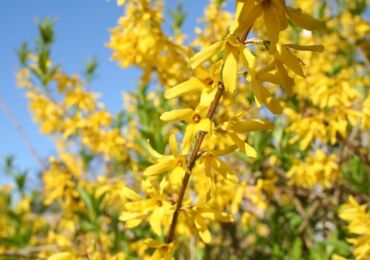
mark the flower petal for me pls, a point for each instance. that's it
(155, 220)
(243, 146)
(270, 77)
(303, 20)
(205, 54)
(216, 215)
(166, 164)
(291, 61)
(178, 114)
(173, 146)
(152, 151)
(205, 125)
(188, 139)
(271, 103)
(230, 70)
(249, 12)
(316, 47)
(252, 125)
(271, 22)
(202, 229)
(286, 81)
(186, 87)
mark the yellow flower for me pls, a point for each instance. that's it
(275, 13)
(213, 164)
(205, 81)
(315, 170)
(159, 209)
(359, 224)
(81, 99)
(235, 127)
(365, 122)
(163, 251)
(231, 48)
(197, 121)
(197, 217)
(260, 92)
(283, 55)
(173, 164)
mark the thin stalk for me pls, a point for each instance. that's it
(21, 132)
(191, 162)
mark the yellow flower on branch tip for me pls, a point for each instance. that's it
(157, 206)
(261, 94)
(206, 53)
(235, 127)
(163, 251)
(275, 13)
(231, 56)
(213, 164)
(187, 87)
(173, 164)
(231, 48)
(197, 121)
(205, 81)
(283, 55)
(196, 218)
(303, 20)
(247, 11)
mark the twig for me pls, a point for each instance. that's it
(21, 132)
(191, 162)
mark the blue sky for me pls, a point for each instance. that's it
(82, 29)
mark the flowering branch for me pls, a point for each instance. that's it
(192, 158)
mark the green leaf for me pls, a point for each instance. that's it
(88, 200)
(296, 250)
(23, 54)
(90, 68)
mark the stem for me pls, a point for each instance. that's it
(21, 132)
(192, 158)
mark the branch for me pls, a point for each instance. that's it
(191, 162)
(21, 132)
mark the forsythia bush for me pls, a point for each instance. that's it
(250, 141)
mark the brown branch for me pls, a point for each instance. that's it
(29, 252)
(191, 162)
(21, 132)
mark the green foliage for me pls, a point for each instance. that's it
(357, 174)
(90, 69)
(178, 17)
(151, 127)
(90, 219)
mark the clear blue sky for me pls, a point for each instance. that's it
(82, 29)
